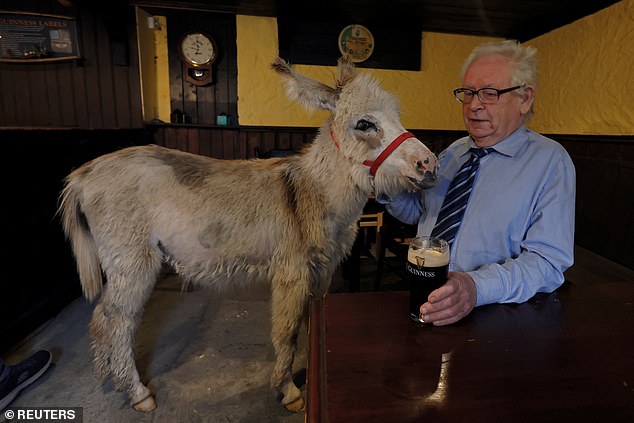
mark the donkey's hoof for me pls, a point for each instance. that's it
(295, 406)
(146, 405)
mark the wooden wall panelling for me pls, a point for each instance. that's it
(182, 139)
(225, 72)
(201, 105)
(77, 90)
(190, 101)
(193, 143)
(89, 46)
(101, 75)
(205, 143)
(92, 93)
(110, 85)
(217, 144)
(65, 83)
(252, 143)
(178, 23)
(228, 143)
(157, 137)
(266, 141)
(113, 24)
(283, 141)
(237, 152)
(620, 240)
(595, 185)
(297, 141)
(16, 80)
(129, 77)
(204, 102)
(605, 194)
(51, 102)
(8, 109)
(177, 81)
(170, 137)
(590, 218)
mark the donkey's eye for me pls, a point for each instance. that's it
(365, 125)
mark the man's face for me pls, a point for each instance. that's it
(488, 124)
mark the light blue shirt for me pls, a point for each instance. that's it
(517, 234)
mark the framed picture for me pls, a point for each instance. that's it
(32, 37)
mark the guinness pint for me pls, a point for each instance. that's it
(427, 266)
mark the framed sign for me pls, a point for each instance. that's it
(32, 37)
(308, 41)
(356, 42)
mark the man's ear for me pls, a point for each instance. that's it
(527, 96)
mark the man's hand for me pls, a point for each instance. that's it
(452, 301)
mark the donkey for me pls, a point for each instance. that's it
(286, 221)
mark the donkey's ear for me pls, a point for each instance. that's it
(310, 93)
(346, 71)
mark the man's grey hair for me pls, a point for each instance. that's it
(523, 60)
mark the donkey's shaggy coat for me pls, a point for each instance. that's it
(286, 221)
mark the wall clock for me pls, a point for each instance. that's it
(198, 51)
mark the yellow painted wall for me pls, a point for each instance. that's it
(425, 96)
(145, 37)
(154, 68)
(586, 77)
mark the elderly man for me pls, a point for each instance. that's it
(515, 235)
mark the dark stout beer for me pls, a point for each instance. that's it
(427, 267)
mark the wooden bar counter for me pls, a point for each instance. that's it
(565, 356)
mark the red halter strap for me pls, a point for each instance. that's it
(374, 164)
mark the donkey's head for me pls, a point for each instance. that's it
(366, 127)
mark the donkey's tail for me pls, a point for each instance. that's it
(82, 242)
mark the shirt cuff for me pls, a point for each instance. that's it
(487, 291)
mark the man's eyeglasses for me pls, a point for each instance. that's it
(485, 95)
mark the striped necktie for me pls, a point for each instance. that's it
(457, 196)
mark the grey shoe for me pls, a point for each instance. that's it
(22, 375)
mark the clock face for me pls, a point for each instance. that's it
(198, 49)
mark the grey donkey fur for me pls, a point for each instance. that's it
(288, 221)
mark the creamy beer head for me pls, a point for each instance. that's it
(428, 257)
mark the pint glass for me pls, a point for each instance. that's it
(427, 265)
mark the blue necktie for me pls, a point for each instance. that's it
(457, 196)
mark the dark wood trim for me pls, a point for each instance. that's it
(316, 394)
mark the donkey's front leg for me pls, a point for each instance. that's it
(288, 306)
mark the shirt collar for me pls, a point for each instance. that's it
(509, 146)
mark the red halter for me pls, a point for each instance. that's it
(374, 164)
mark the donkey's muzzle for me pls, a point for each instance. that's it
(429, 179)
(428, 170)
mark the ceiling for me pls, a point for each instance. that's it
(516, 19)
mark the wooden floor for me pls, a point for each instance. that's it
(206, 358)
